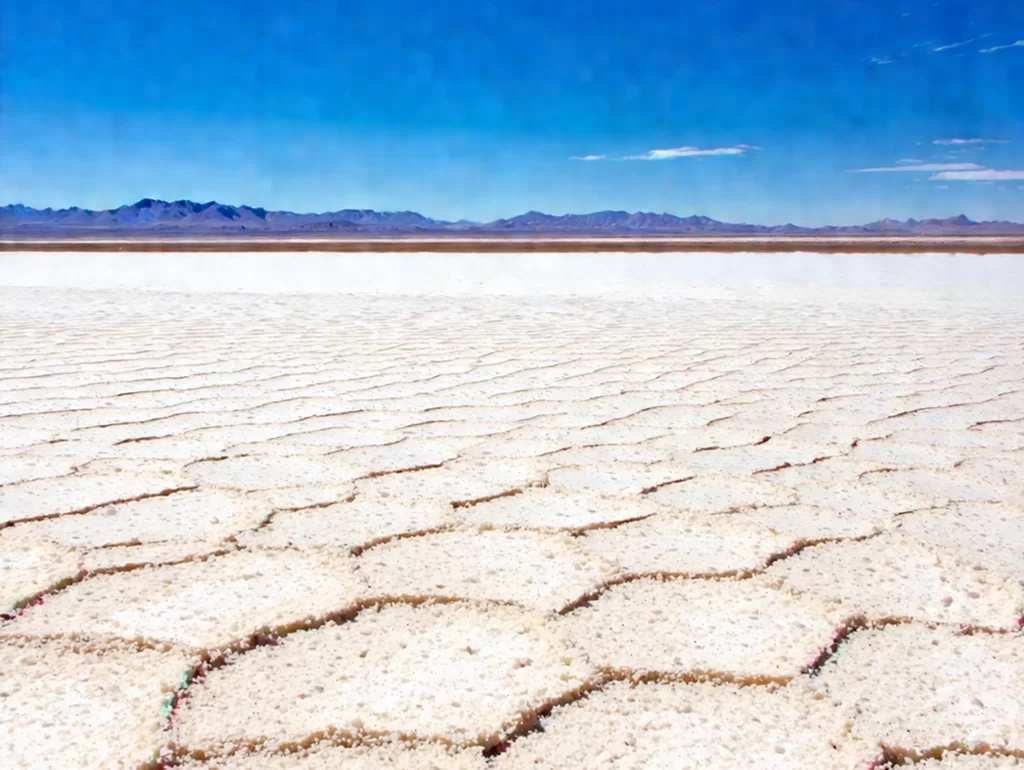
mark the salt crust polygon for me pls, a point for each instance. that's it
(956, 761)
(403, 455)
(459, 673)
(457, 482)
(862, 498)
(681, 544)
(811, 524)
(127, 556)
(286, 498)
(714, 493)
(958, 485)
(747, 630)
(14, 469)
(892, 576)
(204, 605)
(608, 453)
(205, 516)
(982, 534)
(617, 479)
(537, 570)
(391, 755)
(914, 688)
(99, 709)
(696, 726)
(66, 494)
(359, 523)
(273, 472)
(551, 509)
(28, 568)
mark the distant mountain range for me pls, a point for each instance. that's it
(187, 218)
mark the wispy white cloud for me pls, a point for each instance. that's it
(692, 152)
(954, 45)
(993, 49)
(969, 141)
(881, 60)
(910, 160)
(981, 175)
(588, 157)
(922, 167)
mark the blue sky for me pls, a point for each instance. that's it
(737, 109)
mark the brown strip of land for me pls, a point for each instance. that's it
(824, 245)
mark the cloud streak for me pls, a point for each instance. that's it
(588, 157)
(921, 167)
(692, 152)
(981, 175)
(948, 142)
(993, 49)
(954, 45)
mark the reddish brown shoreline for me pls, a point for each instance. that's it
(822, 245)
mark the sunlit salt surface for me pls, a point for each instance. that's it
(247, 480)
(662, 275)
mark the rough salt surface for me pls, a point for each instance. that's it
(691, 727)
(203, 605)
(743, 630)
(454, 672)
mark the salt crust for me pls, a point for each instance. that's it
(955, 761)
(403, 455)
(892, 576)
(541, 571)
(122, 556)
(28, 568)
(387, 756)
(65, 494)
(459, 673)
(356, 524)
(273, 472)
(866, 499)
(987, 535)
(714, 493)
(73, 708)
(741, 629)
(619, 479)
(550, 509)
(687, 544)
(914, 688)
(205, 605)
(14, 469)
(457, 482)
(811, 524)
(208, 516)
(697, 726)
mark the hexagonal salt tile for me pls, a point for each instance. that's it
(983, 534)
(460, 673)
(914, 688)
(273, 472)
(715, 493)
(549, 509)
(457, 482)
(352, 525)
(29, 568)
(744, 630)
(205, 605)
(617, 479)
(690, 545)
(697, 726)
(203, 516)
(391, 755)
(894, 577)
(98, 709)
(67, 494)
(542, 571)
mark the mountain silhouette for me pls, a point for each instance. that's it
(183, 217)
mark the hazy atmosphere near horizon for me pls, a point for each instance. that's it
(813, 113)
